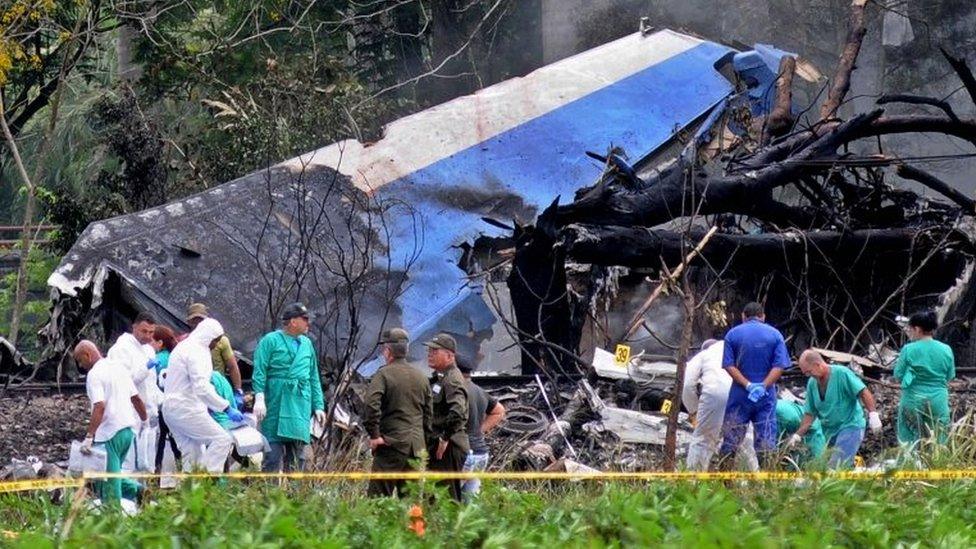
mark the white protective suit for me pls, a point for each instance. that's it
(705, 393)
(189, 395)
(135, 356)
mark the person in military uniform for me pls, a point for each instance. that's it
(287, 390)
(398, 413)
(448, 440)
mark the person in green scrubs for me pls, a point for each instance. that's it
(288, 391)
(222, 385)
(835, 396)
(924, 368)
(789, 415)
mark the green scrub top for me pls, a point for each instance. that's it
(925, 364)
(788, 417)
(286, 370)
(840, 407)
(226, 392)
(924, 368)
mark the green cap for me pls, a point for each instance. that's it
(442, 341)
(395, 335)
(197, 310)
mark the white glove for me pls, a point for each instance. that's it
(145, 425)
(794, 440)
(260, 410)
(874, 422)
(320, 416)
(86, 446)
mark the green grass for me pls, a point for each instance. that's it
(576, 514)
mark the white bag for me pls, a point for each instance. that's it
(145, 445)
(80, 463)
(249, 440)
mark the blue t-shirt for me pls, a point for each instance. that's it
(755, 348)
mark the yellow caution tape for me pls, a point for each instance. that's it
(649, 476)
(963, 474)
(45, 484)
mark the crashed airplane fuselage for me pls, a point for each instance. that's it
(370, 235)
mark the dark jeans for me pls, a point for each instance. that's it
(164, 435)
(452, 461)
(284, 456)
(387, 459)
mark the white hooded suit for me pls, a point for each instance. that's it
(188, 397)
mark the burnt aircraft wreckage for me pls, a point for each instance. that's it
(526, 219)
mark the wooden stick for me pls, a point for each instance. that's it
(638, 317)
(781, 118)
(842, 77)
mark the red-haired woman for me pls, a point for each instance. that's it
(164, 341)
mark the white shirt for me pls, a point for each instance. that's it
(104, 384)
(134, 356)
(705, 368)
(191, 366)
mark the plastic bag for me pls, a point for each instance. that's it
(249, 440)
(145, 448)
(81, 463)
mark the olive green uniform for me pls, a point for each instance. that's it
(450, 423)
(399, 409)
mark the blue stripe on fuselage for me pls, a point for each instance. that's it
(539, 160)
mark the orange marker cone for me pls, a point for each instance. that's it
(417, 523)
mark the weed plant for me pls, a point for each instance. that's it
(577, 514)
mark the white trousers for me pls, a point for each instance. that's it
(708, 433)
(203, 442)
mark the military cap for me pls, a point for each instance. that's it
(197, 310)
(464, 364)
(395, 335)
(442, 341)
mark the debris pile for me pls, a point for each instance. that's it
(42, 426)
(604, 423)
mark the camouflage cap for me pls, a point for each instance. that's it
(197, 310)
(395, 335)
(442, 341)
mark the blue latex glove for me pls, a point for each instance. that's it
(153, 364)
(234, 415)
(756, 391)
(239, 399)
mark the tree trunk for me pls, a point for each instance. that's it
(639, 247)
(128, 70)
(684, 349)
(538, 288)
(20, 289)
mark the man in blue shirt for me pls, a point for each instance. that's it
(755, 357)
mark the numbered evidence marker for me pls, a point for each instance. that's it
(622, 355)
(666, 406)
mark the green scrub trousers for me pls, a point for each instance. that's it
(116, 448)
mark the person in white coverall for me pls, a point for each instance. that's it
(190, 396)
(705, 393)
(134, 350)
